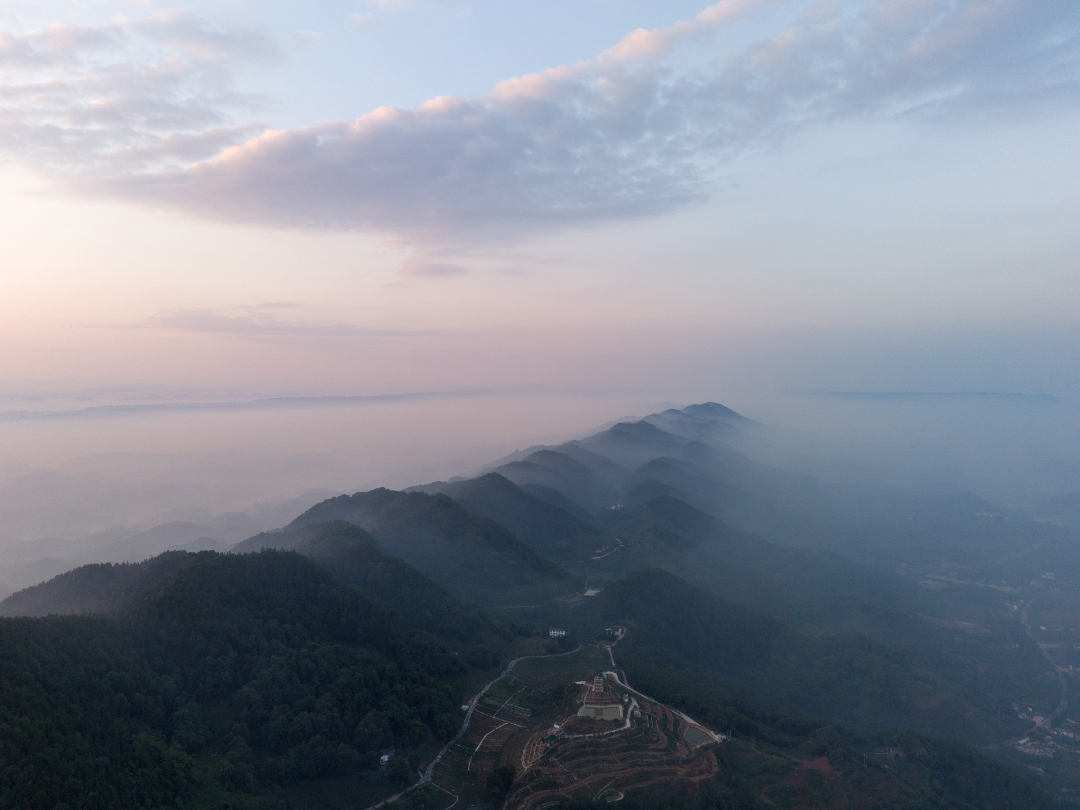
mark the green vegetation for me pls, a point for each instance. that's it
(816, 589)
(915, 772)
(98, 588)
(577, 476)
(252, 679)
(848, 677)
(350, 554)
(344, 549)
(248, 680)
(547, 528)
(470, 555)
(238, 674)
(578, 666)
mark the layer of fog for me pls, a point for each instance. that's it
(127, 485)
(124, 485)
(1013, 450)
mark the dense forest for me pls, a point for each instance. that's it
(548, 528)
(922, 772)
(238, 678)
(96, 588)
(851, 677)
(471, 555)
(285, 672)
(335, 654)
(353, 555)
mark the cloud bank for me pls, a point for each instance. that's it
(83, 101)
(259, 322)
(621, 136)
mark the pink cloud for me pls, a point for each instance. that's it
(618, 137)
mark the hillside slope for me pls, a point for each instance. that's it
(97, 588)
(292, 676)
(853, 678)
(470, 555)
(350, 554)
(251, 680)
(343, 549)
(549, 529)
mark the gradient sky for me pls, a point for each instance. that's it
(407, 195)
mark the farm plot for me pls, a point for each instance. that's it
(649, 753)
(513, 711)
(525, 724)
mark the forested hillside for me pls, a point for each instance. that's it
(471, 555)
(478, 634)
(245, 679)
(237, 674)
(868, 683)
(283, 674)
(549, 529)
(95, 588)
(896, 769)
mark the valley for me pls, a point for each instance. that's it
(648, 616)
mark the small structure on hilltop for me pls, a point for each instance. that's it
(556, 632)
(602, 701)
(602, 691)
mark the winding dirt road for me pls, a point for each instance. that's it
(426, 776)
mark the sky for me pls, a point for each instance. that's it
(668, 201)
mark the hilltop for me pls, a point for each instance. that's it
(469, 554)
(236, 671)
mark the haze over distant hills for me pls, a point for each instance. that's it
(739, 583)
(34, 561)
(468, 553)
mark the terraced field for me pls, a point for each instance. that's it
(651, 751)
(521, 724)
(526, 748)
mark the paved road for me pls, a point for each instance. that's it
(622, 681)
(426, 776)
(717, 737)
(1063, 703)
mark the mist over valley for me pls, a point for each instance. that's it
(759, 575)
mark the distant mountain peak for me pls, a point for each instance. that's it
(713, 409)
(641, 429)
